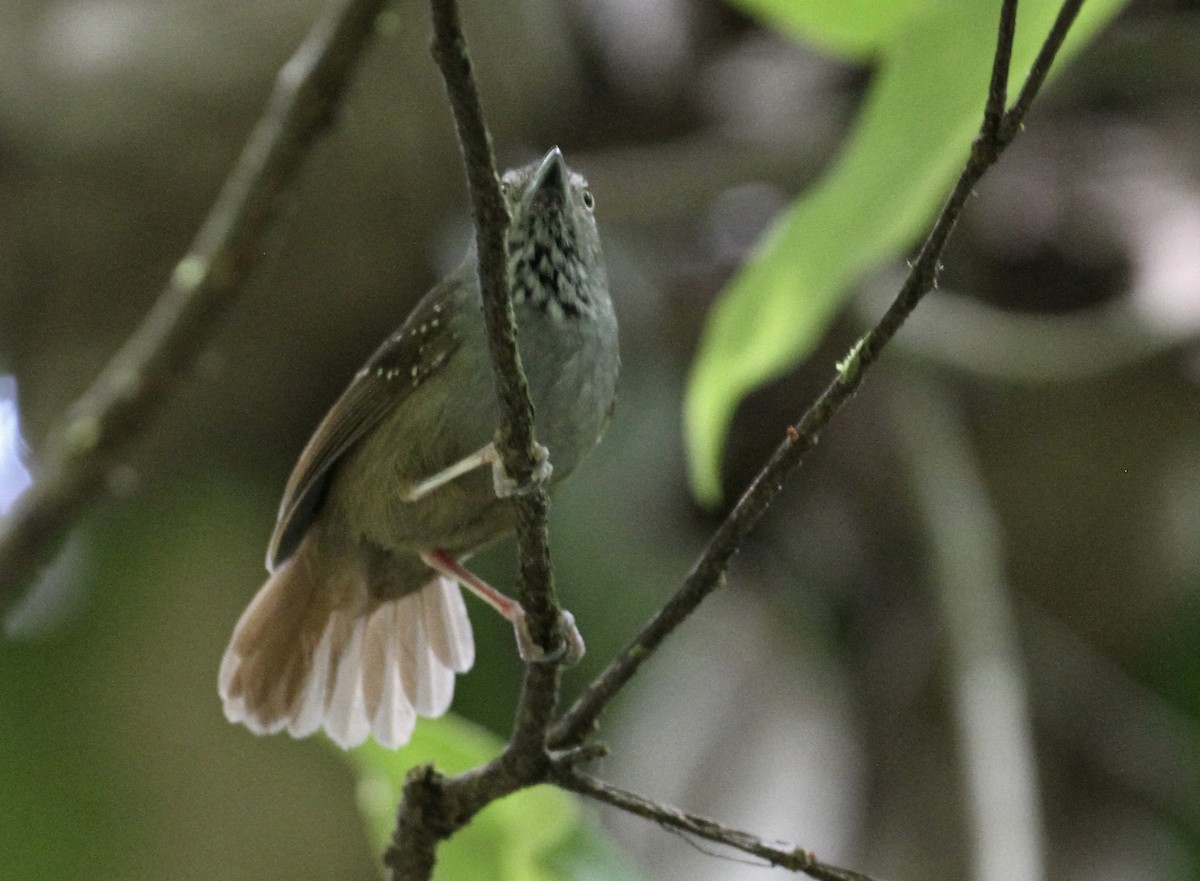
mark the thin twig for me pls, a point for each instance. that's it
(708, 573)
(515, 439)
(997, 99)
(433, 806)
(793, 859)
(128, 394)
(1014, 118)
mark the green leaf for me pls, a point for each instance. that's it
(911, 137)
(851, 28)
(514, 839)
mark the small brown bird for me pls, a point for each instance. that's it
(361, 626)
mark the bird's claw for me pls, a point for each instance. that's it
(507, 486)
(569, 651)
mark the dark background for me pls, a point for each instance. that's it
(814, 699)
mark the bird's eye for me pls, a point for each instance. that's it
(589, 201)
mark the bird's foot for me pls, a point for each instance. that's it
(507, 486)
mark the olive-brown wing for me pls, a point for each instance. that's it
(405, 360)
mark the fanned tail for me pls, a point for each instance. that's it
(313, 651)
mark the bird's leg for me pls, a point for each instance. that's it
(484, 456)
(571, 651)
(504, 485)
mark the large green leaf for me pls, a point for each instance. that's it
(911, 137)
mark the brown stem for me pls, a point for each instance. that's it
(128, 394)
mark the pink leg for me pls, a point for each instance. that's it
(445, 563)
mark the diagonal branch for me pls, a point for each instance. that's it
(793, 859)
(128, 394)
(708, 573)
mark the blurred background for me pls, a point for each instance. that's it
(961, 645)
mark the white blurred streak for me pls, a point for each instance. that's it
(82, 39)
(1169, 289)
(646, 45)
(986, 671)
(1164, 226)
(957, 331)
(777, 93)
(54, 598)
(14, 476)
(151, 48)
(1154, 199)
(739, 720)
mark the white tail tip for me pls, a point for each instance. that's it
(352, 673)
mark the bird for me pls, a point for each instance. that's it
(361, 625)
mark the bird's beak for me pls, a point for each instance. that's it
(551, 177)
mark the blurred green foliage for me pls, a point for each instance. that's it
(114, 753)
(115, 762)
(932, 64)
(537, 834)
(849, 28)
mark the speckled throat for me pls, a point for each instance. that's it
(545, 268)
(553, 251)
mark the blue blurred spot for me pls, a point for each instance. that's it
(14, 476)
(56, 592)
